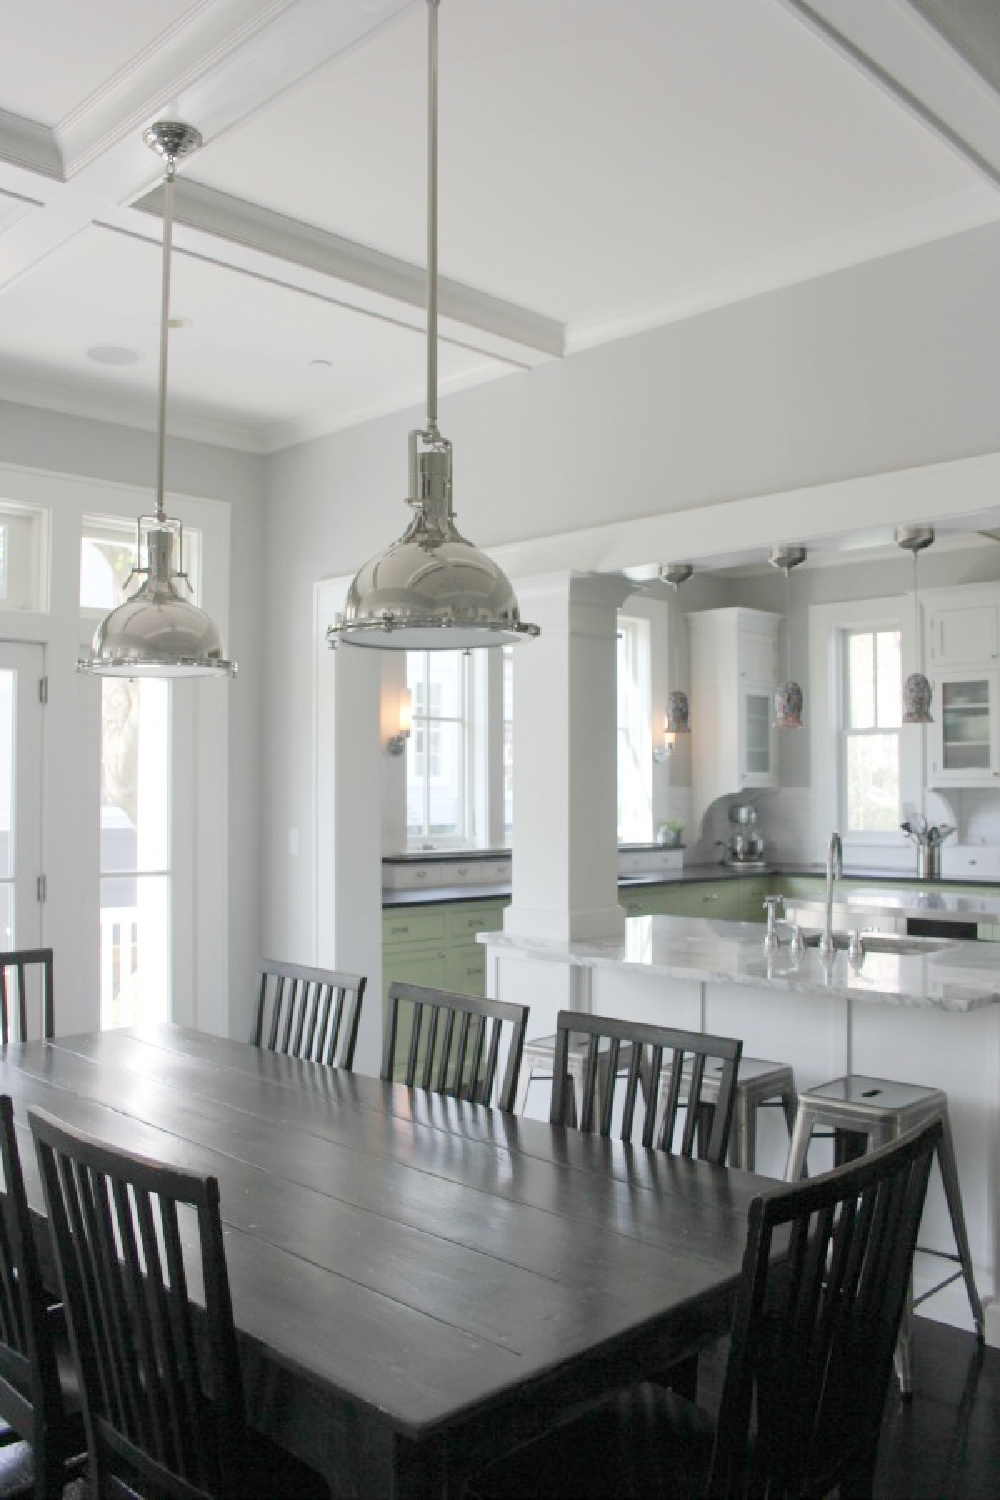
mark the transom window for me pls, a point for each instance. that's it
(872, 715)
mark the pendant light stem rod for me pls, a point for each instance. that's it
(168, 229)
(432, 211)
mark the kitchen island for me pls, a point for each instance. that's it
(925, 1013)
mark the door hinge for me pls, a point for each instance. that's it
(43, 888)
(43, 690)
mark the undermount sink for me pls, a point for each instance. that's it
(882, 942)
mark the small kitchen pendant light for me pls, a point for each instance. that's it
(157, 632)
(916, 688)
(677, 718)
(431, 589)
(788, 697)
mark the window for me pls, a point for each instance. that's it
(439, 802)
(872, 714)
(635, 746)
(135, 851)
(23, 557)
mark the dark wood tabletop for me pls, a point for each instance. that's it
(416, 1282)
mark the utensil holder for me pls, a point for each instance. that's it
(929, 861)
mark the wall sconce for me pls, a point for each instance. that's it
(396, 743)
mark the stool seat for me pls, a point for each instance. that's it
(882, 1109)
(758, 1082)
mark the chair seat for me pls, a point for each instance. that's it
(660, 1443)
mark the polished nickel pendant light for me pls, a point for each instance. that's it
(432, 589)
(157, 632)
(916, 688)
(788, 697)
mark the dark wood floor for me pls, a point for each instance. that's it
(945, 1443)
(942, 1445)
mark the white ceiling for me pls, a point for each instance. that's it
(606, 166)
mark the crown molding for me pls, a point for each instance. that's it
(25, 144)
(31, 389)
(891, 235)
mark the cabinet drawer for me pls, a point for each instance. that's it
(465, 921)
(465, 970)
(412, 927)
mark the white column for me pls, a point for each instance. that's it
(565, 855)
(349, 818)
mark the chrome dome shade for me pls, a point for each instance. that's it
(157, 633)
(431, 590)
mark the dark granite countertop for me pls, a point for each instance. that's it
(689, 874)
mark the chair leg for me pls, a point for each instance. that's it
(743, 1143)
(953, 1195)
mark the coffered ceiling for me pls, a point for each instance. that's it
(606, 166)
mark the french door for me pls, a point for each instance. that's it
(21, 668)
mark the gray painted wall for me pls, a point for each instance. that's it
(880, 367)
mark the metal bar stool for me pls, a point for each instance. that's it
(880, 1110)
(759, 1084)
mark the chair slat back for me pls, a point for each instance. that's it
(30, 1393)
(24, 971)
(815, 1329)
(451, 1044)
(668, 1103)
(309, 1013)
(128, 1233)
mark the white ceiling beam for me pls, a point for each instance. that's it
(904, 54)
(258, 241)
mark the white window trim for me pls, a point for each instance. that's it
(826, 624)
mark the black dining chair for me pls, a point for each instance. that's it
(159, 1366)
(309, 1013)
(822, 1291)
(26, 975)
(452, 1044)
(670, 1101)
(39, 1391)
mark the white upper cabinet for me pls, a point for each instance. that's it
(962, 634)
(962, 660)
(733, 678)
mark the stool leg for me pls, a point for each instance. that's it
(953, 1194)
(903, 1356)
(523, 1084)
(799, 1146)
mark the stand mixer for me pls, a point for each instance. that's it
(746, 846)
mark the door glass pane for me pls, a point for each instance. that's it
(8, 683)
(135, 851)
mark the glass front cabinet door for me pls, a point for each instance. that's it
(756, 742)
(964, 736)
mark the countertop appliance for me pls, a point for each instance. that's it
(746, 846)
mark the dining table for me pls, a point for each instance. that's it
(418, 1282)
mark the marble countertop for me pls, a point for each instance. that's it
(943, 974)
(905, 902)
